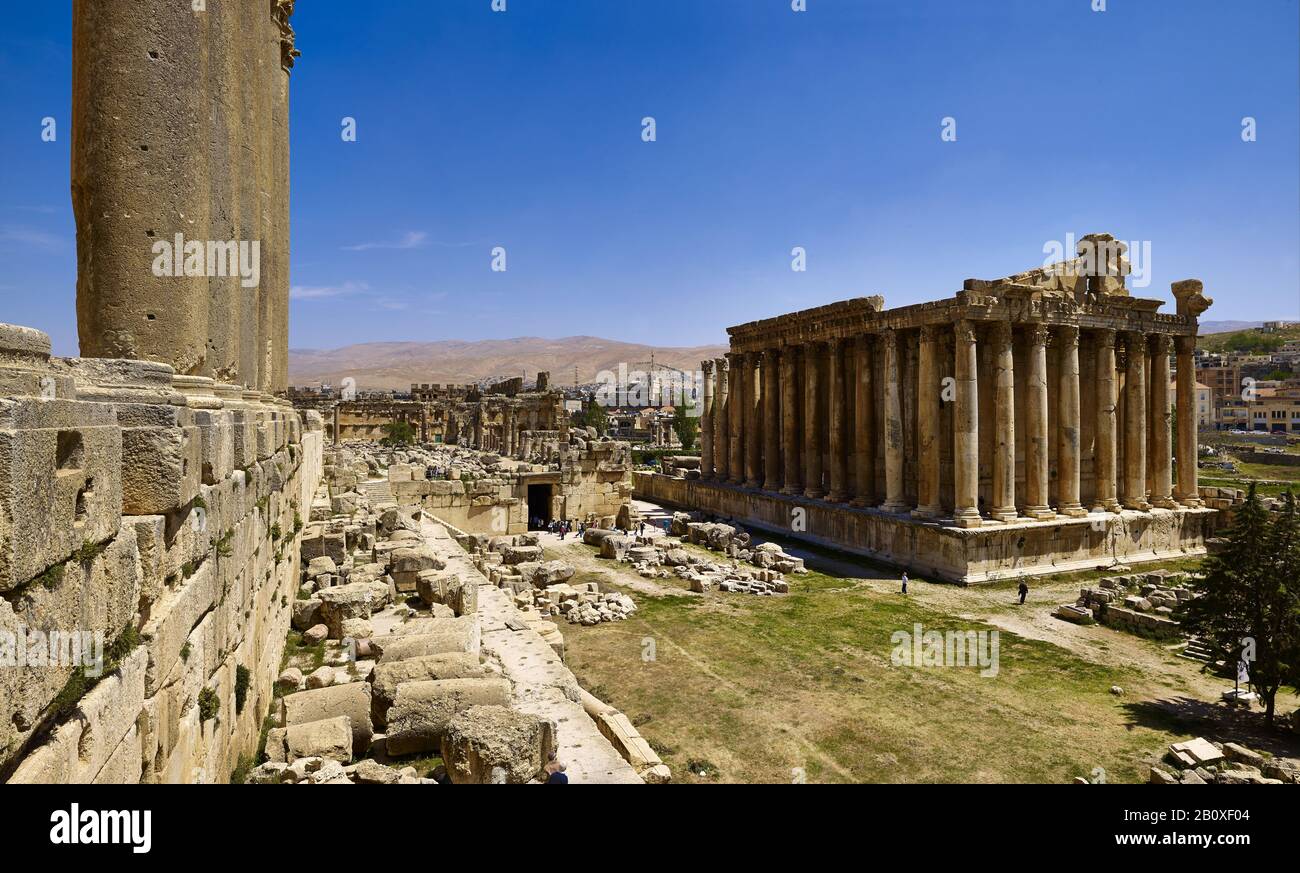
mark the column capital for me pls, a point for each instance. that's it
(1038, 334)
(707, 367)
(930, 333)
(1185, 345)
(1068, 334)
(724, 363)
(1105, 337)
(964, 330)
(1000, 333)
(1160, 343)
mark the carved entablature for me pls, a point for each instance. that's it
(1015, 299)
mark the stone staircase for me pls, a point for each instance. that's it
(1197, 650)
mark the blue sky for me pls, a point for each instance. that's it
(775, 129)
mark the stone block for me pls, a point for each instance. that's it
(60, 483)
(421, 710)
(487, 744)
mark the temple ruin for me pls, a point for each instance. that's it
(1020, 427)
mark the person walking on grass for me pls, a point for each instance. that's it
(1024, 590)
(904, 581)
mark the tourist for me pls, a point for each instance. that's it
(1024, 589)
(555, 772)
(904, 581)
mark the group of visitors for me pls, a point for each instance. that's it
(560, 527)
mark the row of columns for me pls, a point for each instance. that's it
(802, 420)
(180, 131)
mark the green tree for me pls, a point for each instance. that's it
(1250, 596)
(686, 423)
(594, 415)
(398, 433)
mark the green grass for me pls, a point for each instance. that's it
(773, 689)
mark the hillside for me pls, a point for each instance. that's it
(379, 366)
(1253, 341)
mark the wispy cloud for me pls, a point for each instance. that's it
(30, 236)
(319, 292)
(412, 239)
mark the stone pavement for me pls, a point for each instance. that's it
(543, 685)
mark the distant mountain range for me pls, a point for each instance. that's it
(388, 366)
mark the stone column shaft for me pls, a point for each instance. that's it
(1188, 492)
(753, 420)
(1161, 487)
(706, 422)
(736, 416)
(965, 423)
(141, 147)
(838, 474)
(814, 355)
(793, 481)
(722, 421)
(1036, 452)
(928, 412)
(1105, 456)
(1068, 418)
(1135, 425)
(864, 425)
(771, 420)
(1004, 434)
(893, 427)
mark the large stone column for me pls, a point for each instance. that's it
(1036, 451)
(1067, 454)
(1188, 493)
(813, 360)
(140, 163)
(337, 438)
(1004, 434)
(1162, 484)
(1135, 425)
(864, 425)
(838, 474)
(894, 499)
(706, 422)
(753, 420)
(965, 425)
(736, 416)
(771, 419)
(793, 481)
(928, 412)
(1105, 452)
(722, 421)
(279, 285)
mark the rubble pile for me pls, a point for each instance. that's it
(1201, 761)
(753, 568)
(1143, 603)
(404, 672)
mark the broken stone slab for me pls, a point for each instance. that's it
(487, 744)
(329, 738)
(351, 699)
(421, 710)
(455, 635)
(446, 665)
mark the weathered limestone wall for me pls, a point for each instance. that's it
(965, 556)
(180, 128)
(160, 512)
(592, 482)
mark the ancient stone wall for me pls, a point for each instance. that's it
(159, 515)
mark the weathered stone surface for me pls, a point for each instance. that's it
(448, 665)
(486, 744)
(456, 635)
(421, 710)
(351, 699)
